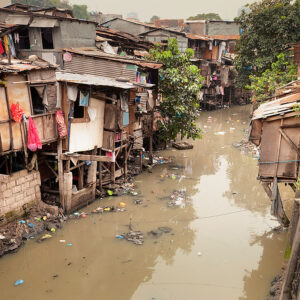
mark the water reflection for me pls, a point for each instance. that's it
(218, 247)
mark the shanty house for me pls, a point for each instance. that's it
(161, 36)
(275, 130)
(44, 33)
(27, 95)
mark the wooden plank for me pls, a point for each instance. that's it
(60, 174)
(80, 178)
(289, 141)
(86, 157)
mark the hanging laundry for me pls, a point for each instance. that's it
(72, 92)
(12, 46)
(222, 48)
(6, 44)
(61, 126)
(84, 98)
(17, 38)
(124, 102)
(33, 140)
(221, 89)
(16, 112)
(1, 48)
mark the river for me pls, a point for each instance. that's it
(221, 246)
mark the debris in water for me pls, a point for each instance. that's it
(69, 245)
(120, 236)
(220, 133)
(165, 229)
(178, 198)
(22, 222)
(122, 204)
(62, 241)
(138, 201)
(199, 254)
(19, 282)
(110, 193)
(136, 237)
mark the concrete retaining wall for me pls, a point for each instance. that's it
(16, 190)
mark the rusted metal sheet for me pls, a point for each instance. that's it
(94, 52)
(275, 149)
(297, 54)
(46, 126)
(3, 107)
(17, 92)
(5, 136)
(99, 67)
(256, 131)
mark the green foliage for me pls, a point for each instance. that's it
(80, 12)
(209, 16)
(297, 184)
(281, 72)
(154, 18)
(45, 3)
(179, 83)
(268, 27)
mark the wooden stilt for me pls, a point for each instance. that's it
(60, 174)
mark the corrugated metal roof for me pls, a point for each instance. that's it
(94, 52)
(225, 37)
(204, 37)
(198, 37)
(279, 106)
(18, 65)
(92, 80)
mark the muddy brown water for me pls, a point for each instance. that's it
(221, 245)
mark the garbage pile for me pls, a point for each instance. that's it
(135, 237)
(178, 198)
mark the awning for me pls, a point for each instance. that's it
(44, 22)
(17, 19)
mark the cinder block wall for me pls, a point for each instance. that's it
(19, 189)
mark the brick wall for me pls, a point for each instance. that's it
(19, 189)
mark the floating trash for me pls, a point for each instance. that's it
(120, 236)
(22, 222)
(30, 225)
(109, 193)
(136, 237)
(69, 245)
(19, 282)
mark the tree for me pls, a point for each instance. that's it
(209, 16)
(281, 72)
(268, 28)
(80, 12)
(45, 3)
(154, 18)
(179, 83)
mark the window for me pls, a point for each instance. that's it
(47, 38)
(80, 113)
(24, 42)
(37, 93)
(78, 110)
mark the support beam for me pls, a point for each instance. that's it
(60, 173)
(86, 157)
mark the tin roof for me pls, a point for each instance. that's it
(18, 65)
(204, 37)
(94, 52)
(279, 106)
(97, 81)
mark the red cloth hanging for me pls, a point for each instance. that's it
(33, 141)
(61, 126)
(1, 48)
(16, 112)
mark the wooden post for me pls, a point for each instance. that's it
(100, 173)
(125, 162)
(151, 139)
(80, 178)
(60, 174)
